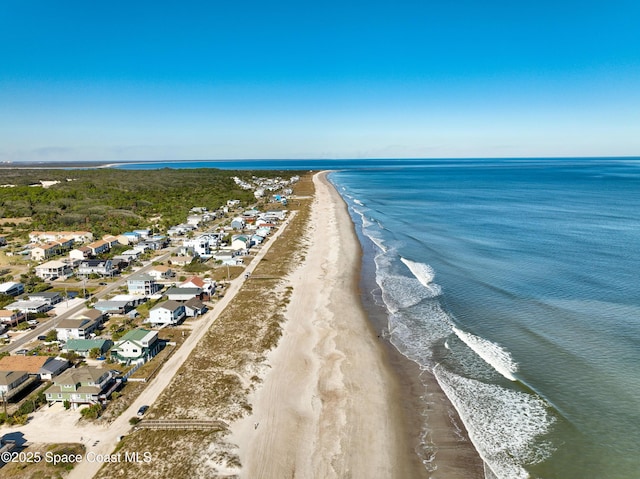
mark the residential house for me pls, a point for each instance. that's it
(207, 286)
(82, 386)
(11, 289)
(194, 307)
(203, 245)
(79, 254)
(49, 297)
(180, 260)
(195, 220)
(91, 315)
(275, 215)
(257, 239)
(48, 250)
(136, 345)
(54, 269)
(238, 223)
(111, 240)
(240, 242)
(29, 307)
(12, 382)
(263, 231)
(124, 240)
(41, 367)
(143, 233)
(83, 347)
(142, 284)
(167, 313)
(114, 307)
(132, 254)
(119, 263)
(80, 328)
(131, 236)
(263, 223)
(161, 272)
(228, 258)
(11, 318)
(46, 236)
(183, 294)
(96, 266)
(98, 247)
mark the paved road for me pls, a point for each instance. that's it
(101, 439)
(79, 305)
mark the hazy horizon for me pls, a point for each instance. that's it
(372, 80)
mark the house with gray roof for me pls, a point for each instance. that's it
(82, 386)
(114, 307)
(77, 328)
(167, 313)
(183, 294)
(11, 382)
(50, 297)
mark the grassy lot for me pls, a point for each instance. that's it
(44, 469)
(215, 381)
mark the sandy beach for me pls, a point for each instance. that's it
(329, 406)
(337, 401)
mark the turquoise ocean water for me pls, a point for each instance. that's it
(516, 283)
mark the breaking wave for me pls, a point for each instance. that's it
(493, 354)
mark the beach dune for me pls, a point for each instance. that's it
(329, 407)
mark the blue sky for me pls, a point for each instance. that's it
(225, 80)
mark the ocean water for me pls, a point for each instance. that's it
(516, 284)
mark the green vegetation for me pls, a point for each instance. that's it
(110, 201)
(92, 412)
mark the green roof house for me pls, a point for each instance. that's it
(84, 346)
(136, 345)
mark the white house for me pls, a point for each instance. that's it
(240, 242)
(76, 328)
(80, 254)
(96, 266)
(161, 272)
(53, 269)
(12, 318)
(142, 284)
(169, 312)
(12, 289)
(183, 294)
(29, 307)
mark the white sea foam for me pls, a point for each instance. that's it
(504, 425)
(401, 292)
(423, 273)
(494, 355)
(358, 202)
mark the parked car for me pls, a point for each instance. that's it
(142, 410)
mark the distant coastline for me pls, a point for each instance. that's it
(308, 164)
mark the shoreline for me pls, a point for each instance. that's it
(329, 407)
(450, 453)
